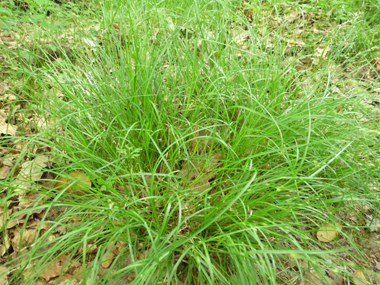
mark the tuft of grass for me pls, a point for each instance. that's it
(210, 163)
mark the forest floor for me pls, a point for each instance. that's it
(189, 142)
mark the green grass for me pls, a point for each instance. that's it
(282, 152)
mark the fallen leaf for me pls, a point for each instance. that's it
(81, 181)
(360, 278)
(373, 247)
(8, 162)
(108, 260)
(4, 217)
(266, 166)
(8, 97)
(241, 37)
(43, 123)
(89, 42)
(376, 63)
(67, 280)
(170, 24)
(6, 244)
(197, 174)
(76, 269)
(20, 186)
(335, 279)
(61, 230)
(4, 171)
(3, 278)
(3, 249)
(3, 116)
(7, 129)
(55, 268)
(144, 254)
(115, 25)
(32, 170)
(90, 248)
(292, 16)
(201, 140)
(328, 233)
(30, 199)
(197, 177)
(321, 52)
(22, 237)
(125, 278)
(48, 243)
(119, 248)
(313, 278)
(296, 42)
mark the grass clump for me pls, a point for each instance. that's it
(186, 144)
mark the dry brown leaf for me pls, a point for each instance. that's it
(197, 178)
(240, 36)
(48, 243)
(7, 129)
(20, 186)
(21, 219)
(296, 42)
(321, 52)
(79, 187)
(4, 217)
(27, 236)
(197, 175)
(6, 244)
(110, 255)
(3, 249)
(115, 25)
(76, 269)
(315, 279)
(27, 174)
(16, 221)
(61, 230)
(20, 145)
(292, 16)
(90, 248)
(3, 116)
(69, 282)
(328, 233)
(8, 98)
(27, 201)
(30, 199)
(32, 224)
(43, 123)
(200, 141)
(4, 171)
(108, 260)
(119, 248)
(3, 278)
(8, 162)
(144, 254)
(32, 170)
(376, 62)
(335, 279)
(55, 268)
(359, 275)
(125, 278)
(6, 167)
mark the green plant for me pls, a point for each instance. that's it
(209, 163)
